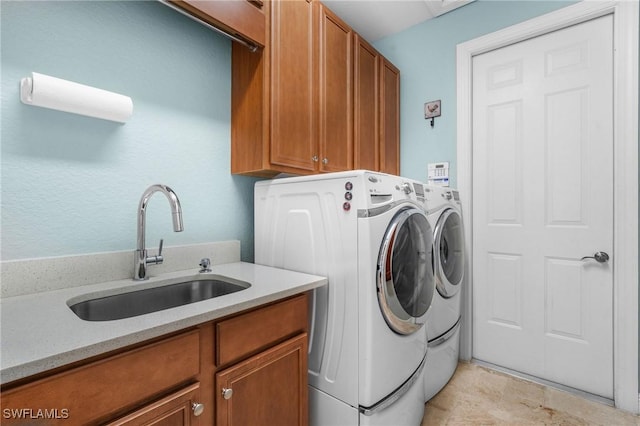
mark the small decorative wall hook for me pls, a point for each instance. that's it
(432, 110)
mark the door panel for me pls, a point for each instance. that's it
(336, 93)
(565, 184)
(504, 163)
(293, 99)
(389, 118)
(505, 278)
(366, 106)
(543, 199)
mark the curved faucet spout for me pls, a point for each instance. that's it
(140, 272)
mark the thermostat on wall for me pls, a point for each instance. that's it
(438, 174)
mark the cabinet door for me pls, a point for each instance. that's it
(389, 118)
(336, 93)
(366, 106)
(267, 389)
(178, 409)
(293, 99)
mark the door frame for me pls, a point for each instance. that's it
(625, 141)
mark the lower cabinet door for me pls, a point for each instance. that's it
(267, 389)
(177, 409)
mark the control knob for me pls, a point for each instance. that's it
(406, 188)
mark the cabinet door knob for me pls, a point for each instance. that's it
(325, 161)
(197, 408)
(314, 158)
(227, 393)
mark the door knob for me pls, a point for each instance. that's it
(600, 257)
(227, 393)
(197, 408)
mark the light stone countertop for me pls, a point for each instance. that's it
(40, 332)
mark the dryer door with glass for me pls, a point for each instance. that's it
(449, 251)
(405, 275)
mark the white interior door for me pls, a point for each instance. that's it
(543, 199)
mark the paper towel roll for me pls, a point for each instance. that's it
(51, 92)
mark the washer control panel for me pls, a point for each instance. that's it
(382, 189)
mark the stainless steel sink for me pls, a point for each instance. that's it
(131, 304)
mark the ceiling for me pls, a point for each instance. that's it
(379, 18)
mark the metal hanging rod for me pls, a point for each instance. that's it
(252, 47)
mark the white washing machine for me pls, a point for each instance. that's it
(369, 234)
(443, 323)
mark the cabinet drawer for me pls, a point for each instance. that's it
(249, 333)
(102, 389)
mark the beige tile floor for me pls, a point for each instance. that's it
(480, 396)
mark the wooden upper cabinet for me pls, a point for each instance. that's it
(336, 92)
(389, 118)
(317, 98)
(243, 18)
(366, 99)
(274, 96)
(293, 82)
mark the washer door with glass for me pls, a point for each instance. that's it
(449, 250)
(405, 276)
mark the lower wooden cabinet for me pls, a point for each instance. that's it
(267, 389)
(105, 389)
(260, 354)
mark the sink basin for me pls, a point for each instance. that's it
(139, 302)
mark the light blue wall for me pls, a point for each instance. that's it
(71, 184)
(426, 57)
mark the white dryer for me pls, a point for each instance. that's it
(369, 234)
(443, 326)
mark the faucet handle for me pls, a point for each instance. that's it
(204, 264)
(157, 259)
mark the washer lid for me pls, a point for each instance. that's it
(449, 253)
(405, 279)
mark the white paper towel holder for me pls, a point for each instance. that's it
(63, 95)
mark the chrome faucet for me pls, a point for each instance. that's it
(141, 259)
